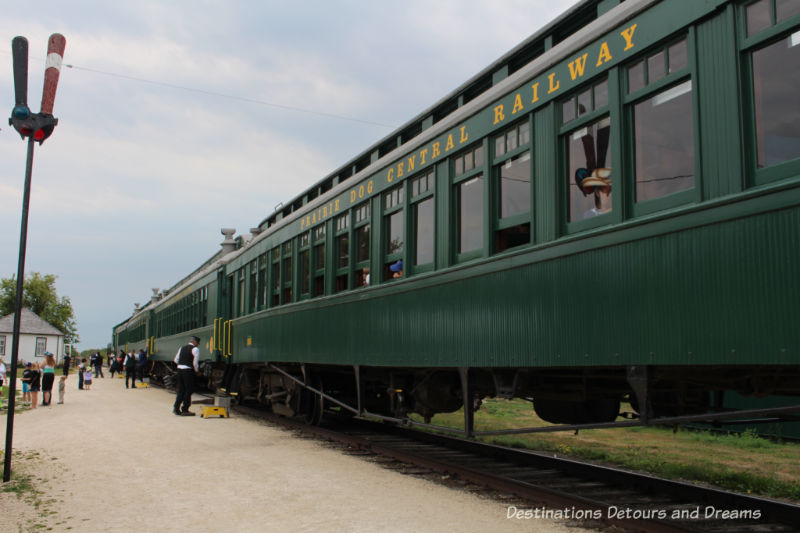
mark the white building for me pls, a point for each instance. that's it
(36, 337)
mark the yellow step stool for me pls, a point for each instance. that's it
(142, 386)
(212, 410)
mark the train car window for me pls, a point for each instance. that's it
(776, 76)
(304, 264)
(361, 237)
(286, 274)
(511, 177)
(469, 210)
(262, 281)
(241, 293)
(319, 260)
(342, 251)
(589, 170)
(253, 285)
(663, 137)
(423, 211)
(394, 233)
(770, 53)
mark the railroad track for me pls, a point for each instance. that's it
(561, 488)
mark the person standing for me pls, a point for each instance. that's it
(26, 383)
(81, 370)
(48, 377)
(67, 361)
(2, 379)
(36, 385)
(187, 359)
(62, 386)
(141, 364)
(130, 369)
(98, 365)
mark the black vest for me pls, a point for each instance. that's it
(186, 358)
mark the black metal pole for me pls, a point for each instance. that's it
(23, 242)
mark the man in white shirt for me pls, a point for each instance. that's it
(187, 359)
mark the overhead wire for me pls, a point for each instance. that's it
(225, 95)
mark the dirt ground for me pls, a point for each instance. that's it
(112, 459)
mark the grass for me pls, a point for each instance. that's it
(741, 462)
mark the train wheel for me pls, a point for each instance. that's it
(312, 406)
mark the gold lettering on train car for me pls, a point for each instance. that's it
(498, 114)
(389, 178)
(324, 211)
(464, 136)
(553, 87)
(535, 88)
(369, 187)
(314, 217)
(412, 160)
(435, 147)
(517, 104)
(361, 191)
(353, 195)
(400, 170)
(604, 55)
(627, 34)
(577, 66)
(336, 205)
(422, 154)
(449, 145)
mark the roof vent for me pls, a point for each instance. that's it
(156, 296)
(228, 245)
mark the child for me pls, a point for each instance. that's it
(81, 373)
(62, 386)
(87, 379)
(26, 384)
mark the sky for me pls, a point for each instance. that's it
(180, 118)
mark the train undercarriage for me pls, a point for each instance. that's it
(569, 396)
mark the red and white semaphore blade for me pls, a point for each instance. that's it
(55, 53)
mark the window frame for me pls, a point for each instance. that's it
(318, 238)
(343, 227)
(610, 111)
(388, 212)
(40, 352)
(498, 222)
(776, 32)
(355, 264)
(413, 202)
(649, 90)
(481, 171)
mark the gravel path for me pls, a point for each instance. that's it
(117, 460)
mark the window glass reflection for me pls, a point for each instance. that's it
(470, 215)
(785, 9)
(514, 183)
(776, 77)
(394, 233)
(424, 237)
(758, 17)
(362, 242)
(589, 170)
(664, 143)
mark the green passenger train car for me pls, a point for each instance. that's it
(609, 212)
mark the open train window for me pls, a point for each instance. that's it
(361, 238)
(586, 135)
(771, 69)
(394, 232)
(660, 104)
(511, 174)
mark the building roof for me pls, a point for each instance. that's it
(30, 323)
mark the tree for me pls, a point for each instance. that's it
(40, 296)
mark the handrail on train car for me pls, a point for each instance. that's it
(230, 323)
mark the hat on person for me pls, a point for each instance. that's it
(28, 363)
(397, 266)
(196, 339)
(49, 354)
